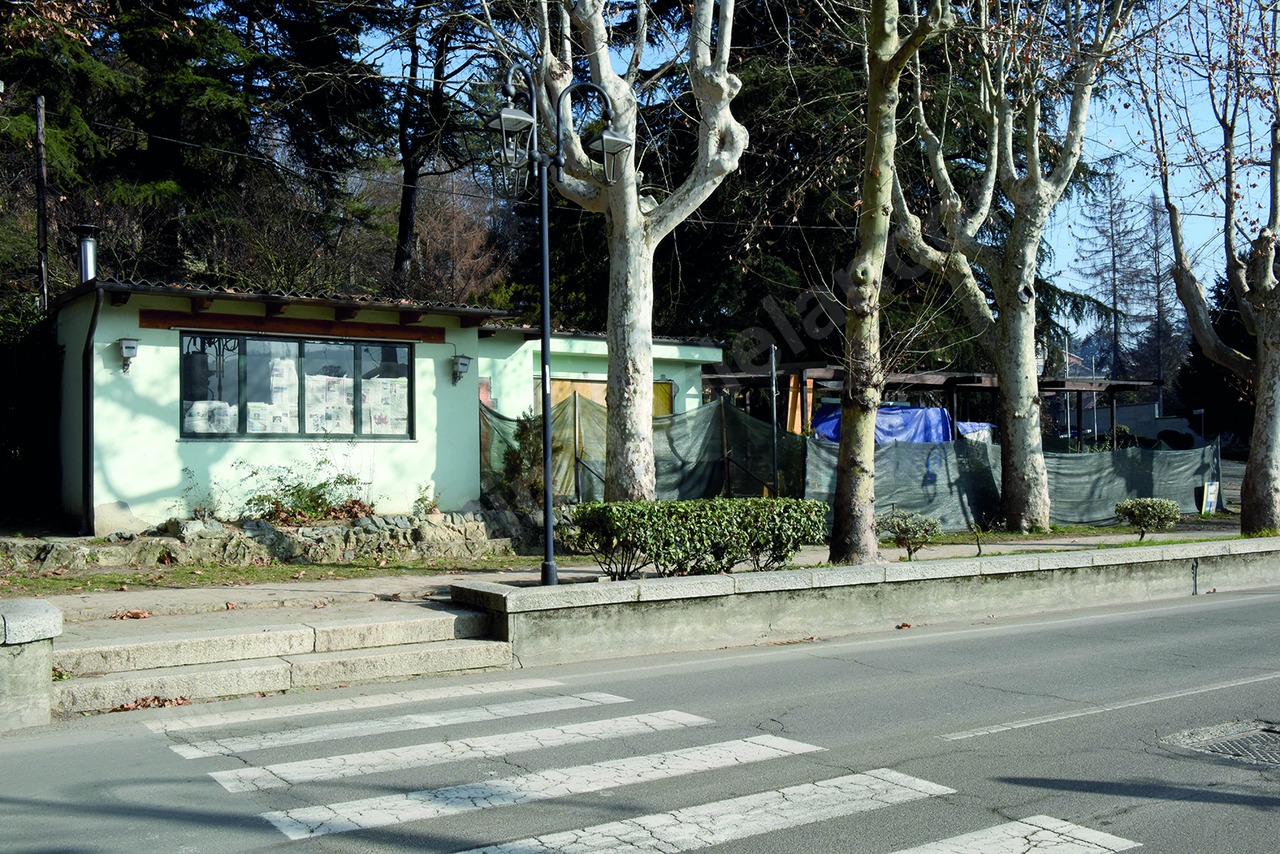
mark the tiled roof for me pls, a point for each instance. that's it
(279, 295)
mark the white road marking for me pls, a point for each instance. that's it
(1110, 707)
(558, 782)
(212, 719)
(738, 818)
(1039, 834)
(352, 729)
(420, 755)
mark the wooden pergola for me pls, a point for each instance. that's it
(802, 380)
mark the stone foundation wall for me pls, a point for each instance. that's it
(193, 541)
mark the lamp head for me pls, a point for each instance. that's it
(613, 147)
(516, 127)
(461, 364)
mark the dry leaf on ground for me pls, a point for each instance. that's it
(135, 614)
(153, 702)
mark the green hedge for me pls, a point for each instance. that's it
(697, 537)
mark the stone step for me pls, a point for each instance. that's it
(280, 673)
(117, 646)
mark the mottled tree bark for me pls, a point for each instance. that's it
(853, 533)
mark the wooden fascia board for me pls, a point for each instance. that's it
(156, 319)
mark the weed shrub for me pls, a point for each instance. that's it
(910, 531)
(282, 498)
(1148, 514)
(696, 537)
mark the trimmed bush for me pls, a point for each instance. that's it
(910, 531)
(699, 537)
(1148, 514)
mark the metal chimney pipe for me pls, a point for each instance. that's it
(88, 252)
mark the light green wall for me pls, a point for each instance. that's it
(514, 365)
(140, 458)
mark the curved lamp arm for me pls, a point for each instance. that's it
(611, 144)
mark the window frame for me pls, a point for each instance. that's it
(241, 432)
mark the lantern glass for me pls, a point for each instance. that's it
(613, 147)
(516, 127)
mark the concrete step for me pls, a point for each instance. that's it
(279, 673)
(117, 646)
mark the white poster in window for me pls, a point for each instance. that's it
(258, 416)
(284, 382)
(386, 406)
(196, 418)
(221, 417)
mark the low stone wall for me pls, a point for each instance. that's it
(193, 541)
(577, 622)
(27, 630)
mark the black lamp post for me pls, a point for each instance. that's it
(520, 151)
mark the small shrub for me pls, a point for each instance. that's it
(696, 537)
(777, 528)
(283, 497)
(1148, 514)
(910, 531)
(613, 535)
(427, 501)
(521, 483)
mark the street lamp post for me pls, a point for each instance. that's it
(520, 150)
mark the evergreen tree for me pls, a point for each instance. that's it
(1113, 238)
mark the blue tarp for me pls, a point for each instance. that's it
(898, 424)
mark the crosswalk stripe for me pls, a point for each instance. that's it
(415, 806)
(351, 729)
(212, 719)
(1040, 833)
(737, 818)
(420, 755)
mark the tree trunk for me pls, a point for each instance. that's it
(853, 532)
(406, 233)
(629, 463)
(1024, 481)
(1259, 497)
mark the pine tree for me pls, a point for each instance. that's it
(1112, 240)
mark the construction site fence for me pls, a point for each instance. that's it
(719, 450)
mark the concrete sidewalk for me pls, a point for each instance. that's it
(315, 594)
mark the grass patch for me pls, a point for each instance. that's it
(18, 582)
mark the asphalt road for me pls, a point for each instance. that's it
(1045, 734)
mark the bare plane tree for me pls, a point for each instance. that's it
(639, 215)
(1228, 58)
(853, 537)
(1036, 66)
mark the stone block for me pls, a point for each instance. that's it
(27, 620)
(773, 580)
(847, 576)
(930, 569)
(691, 587)
(585, 595)
(198, 681)
(25, 684)
(481, 594)
(399, 662)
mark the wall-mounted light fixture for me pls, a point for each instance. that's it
(461, 364)
(128, 351)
